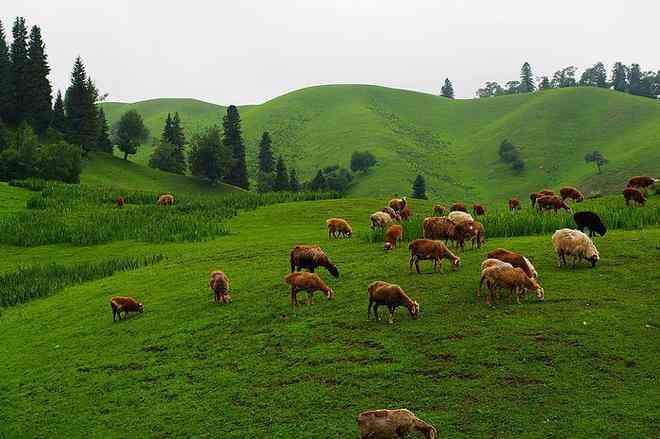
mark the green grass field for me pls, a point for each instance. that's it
(453, 144)
(583, 363)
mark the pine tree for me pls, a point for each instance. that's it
(294, 184)
(19, 64)
(81, 112)
(208, 156)
(281, 182)
(103, 143)
(178, 136)
(599, 75)
(447, 90)
(130, 133)
(59, 118)
(526, 79)
(619, 77)
(233, 140)
(318, 183)
(635, 80)
(419, 188)
(39, 92)
(266, 159)
(167, 130)
(6, 85)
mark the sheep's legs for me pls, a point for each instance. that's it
(369, 310)
(376, 312)
(417, 266)
(392, 309)
(412, 260)
(294, 296)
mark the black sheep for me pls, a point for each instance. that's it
(590, 221)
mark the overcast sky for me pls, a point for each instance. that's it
(248, 51)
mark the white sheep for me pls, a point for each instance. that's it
(380, 220)
(459, 217)
(574, 243)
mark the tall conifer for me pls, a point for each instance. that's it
(39, 92)
(19, 66)
(447, 90)
(526, 79)
(59, 117)
(6, 84)
(233, 140)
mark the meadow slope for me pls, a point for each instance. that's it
(452, 143)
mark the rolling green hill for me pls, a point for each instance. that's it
(452, 143)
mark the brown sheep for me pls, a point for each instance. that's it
(392, 236)
(436, 251)
(553, 202)
(477, 233)
(478, 209)
(397, 204)
(572, 193)
(486, 267)
(439, 210)
(119, 202)
(513, 279)
(380, 220)
(515, 259)
(438, 227)
(642, 182)
(309, 282)
(165, 200)
(631, 193)
(219, 283)
(392, 296)
(124, 304)
(392, 424)
(311, 257)
(547, 192)
(406, 213)
(338, 227)
(396, 216)
(458, 207)
(514, 204)
(534, 196)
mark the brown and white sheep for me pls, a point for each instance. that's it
(219, 283)
(338, 227)
(439, 210)
(392, 236)
(515, 259)
(513, 279)
(514, 204)
(458, 217)
(380, 220)
(311, 257)
(477, 233)
(487, 266)
(572, 193)
(392, 424)
(124, 304)
(428, 249)
(642, 182)
(547, 192)
(458, 207)
(309, 282)
(405, 213)
(569, 242)
(397, 203)
(634, 194)
(165, 200)
(547, 202)
(534, 196)
(479, 209)
(396, 216)
(392, 296)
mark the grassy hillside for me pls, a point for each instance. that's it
(452, 143)
(12, 198)
(261, 368)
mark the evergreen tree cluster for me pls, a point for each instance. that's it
(510, 153)
(362, 161)
(169, 154)
(331, 178)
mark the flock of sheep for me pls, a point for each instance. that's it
(502, 270)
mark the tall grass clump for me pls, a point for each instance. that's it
(29, 283)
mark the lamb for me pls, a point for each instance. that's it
(460, 217)
(439, 210)
(392, 213)
(591, 221)
(309, 282)
(310, 257)
(392, 424)
(548, 202)
(397, 204)
(380, 220)
(392, 296)
(515, 259)
(574, 243)
(338, 227)
(219, 283)
(514, 204)
(458, 207)
(641, 182)
(631, 193)
(406, 213)
(513, 279)
(479, 209)
(572, 193)
(534, 196)
(392, 236)
(427, 249)
(165, 200)
(119, 202)
(477, 233)
(124, 304)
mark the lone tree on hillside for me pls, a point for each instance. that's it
(447, 90)
(419, 188)
(597, 158)
(526, 79)
(130, 132)
(362, 161)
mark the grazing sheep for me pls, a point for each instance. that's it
(397, 203)
(310, 257)
(460, 217)
(547, 192)
(380, 220)
(165, 200)
(438, 227)
(479, 209)
(309, 282)
(515, 259)
(124, 304)
(392, 236)
(439, 210)
(392, 424)
(591, 221)
(406, 213)
(513, 279)
(514, 204)
(119, 202)
(631, 193)
(338, 227)
(458, 207)
(642, 182)
(436, 251)
(547, 202)
(219, 283)
(572, 193)
(477, 233)
(392, 296)
(568, 242)
(392, 213)
(487, 267)
(534, 196)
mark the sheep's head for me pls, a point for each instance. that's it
(600, 229)
(413, 309)
(140, 307)
(388, 246)
(455, 263)
(333, 270)
(329, 294)
(592, 255)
